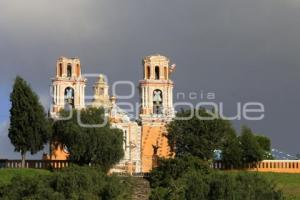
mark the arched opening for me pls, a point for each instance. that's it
(78, 70)
(69, 97)
(69, 70)
(60, 70)
(148, 72)
(157, 73)
(157, 101)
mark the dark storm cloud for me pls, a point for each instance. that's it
(242, 50)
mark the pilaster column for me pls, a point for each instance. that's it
(147, 96)
(143, 95)
(164, 96)
(150, 98)
(171, 99)
(152, 71)
(58, 95)
(79, 95)
(54, 94)
(83, 96)
(167, 73)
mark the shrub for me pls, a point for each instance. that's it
(190, 178)
(70, 183)
(172, 169)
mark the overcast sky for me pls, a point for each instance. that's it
(242, 50)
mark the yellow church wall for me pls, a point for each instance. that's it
(153, 135)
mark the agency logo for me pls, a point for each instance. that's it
(253, 111)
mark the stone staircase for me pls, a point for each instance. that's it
(141, 189)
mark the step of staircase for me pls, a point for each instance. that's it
(141, 189)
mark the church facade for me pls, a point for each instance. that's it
(144, 142)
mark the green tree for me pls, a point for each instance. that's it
(29, 127)
(265, 143)
(246, 149)
(232, 151)
(97, 145)
(251, 150)
(196, 136)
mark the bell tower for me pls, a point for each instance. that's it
(156, 110)
(67, 93)
(101, 95)
(68, 85)
(156, 90)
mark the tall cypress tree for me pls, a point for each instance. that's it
(29, 127)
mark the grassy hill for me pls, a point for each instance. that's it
(288, 183)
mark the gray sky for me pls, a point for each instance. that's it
(243, 50)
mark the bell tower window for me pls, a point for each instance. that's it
(157, 102)
(69, 97)
(148, 72)
(157, 73)
(69, 70)
(60, 70)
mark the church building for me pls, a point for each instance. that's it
(144, 142)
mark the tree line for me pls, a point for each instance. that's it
(201, 138)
